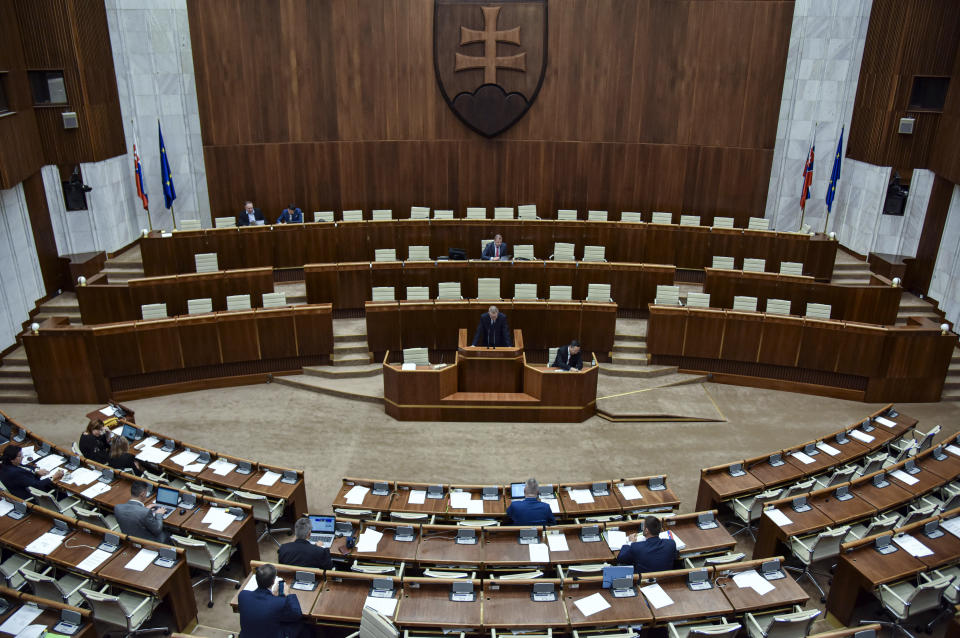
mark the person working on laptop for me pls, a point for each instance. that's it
(302, 552)
(650, 553)
(265, 613)
(496, 250)
(493, 330)
(136, 519)
(569, 357)
(531, 510)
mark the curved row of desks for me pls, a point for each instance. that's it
(293, 245)
(721, 483)
(840, 359)
(50, 612)
(95, 364)
(424, 603)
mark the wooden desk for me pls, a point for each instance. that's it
(426, 603)
(717, 486)
(579, 552)
(307, 599)
(370, 501)
(861, 569)
(342, 597)
(622, 611)
(491, 508)
(97, 415)
(482, 369)
(50, 615)
(507, 605)
(843, 512)
(880, 497)
(438, 546)
(401, 500)
(242, 533)
(771, 475)
(686, 603)
(605, 504)
(74, 550)
(786, 592)
(389, 549)
(699, 541)
(770, 534)
(502, 547)
(947, 468)
(649, 499)
(295, 494)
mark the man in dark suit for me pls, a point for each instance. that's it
(493, 330)
(496, 250)
(302, 552)
(569, 357)
(250, 216)
(651, 553)
(266, 614)
(18, 479)
(531, 510)
(291, 215)
(136, 519)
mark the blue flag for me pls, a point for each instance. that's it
(835, 175)
(169, 193)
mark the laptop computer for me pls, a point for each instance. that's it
(516, 490)
(168, 499)
(131, 433)
(322, 529)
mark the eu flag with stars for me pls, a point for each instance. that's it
(835, 175)
(169, 193)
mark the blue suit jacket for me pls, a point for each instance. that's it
(495, 335)
(489, 250)
(17, 479)
(286, 217)
(530, 511)
(652, 555)
(263, 615)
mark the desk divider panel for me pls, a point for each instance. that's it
(352, 243)
(119, 349)
(743, 333)
(199, 341)
(314, 325)
(239, 339)
(159, 345)
(451, 316)
(781, 339)
(418, 326)
(277, 333)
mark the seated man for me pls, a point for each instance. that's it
(569, 357)
(493, 330)
(302, 552)
(17, 479)
(496, 250)
(531, 510)
(291, 215)
(266, 614)
(136, 519)
(650, 553)
(250, 216)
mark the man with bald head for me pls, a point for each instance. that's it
(493, 330)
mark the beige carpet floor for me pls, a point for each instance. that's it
(331, 437)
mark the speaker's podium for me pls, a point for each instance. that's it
(489, 384)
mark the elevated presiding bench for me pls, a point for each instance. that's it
(293, 245)
(103, 302)
(393, 325)
(93, 364)
(347, 285)
(830, 358)
(877, 303)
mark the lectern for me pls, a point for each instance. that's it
(483, 369)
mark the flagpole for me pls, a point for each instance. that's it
(173, 216)
(136, 139)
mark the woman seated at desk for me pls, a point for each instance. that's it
(95, 442)
(121, 458)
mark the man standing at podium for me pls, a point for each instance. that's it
(493, 331)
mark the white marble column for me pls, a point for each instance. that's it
(945, 283)
(21, 282)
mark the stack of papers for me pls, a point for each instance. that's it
(539, 553)
(885, 421)
(268, 478)
(356, 494)
(153, 455)
(44, 544)
(629, 492)
(5, 507)
(676, 539)
(185, 458)
(108, 411)
(912, 545)
(953, 449)
(615, 539)
(753, 580)
(150, 441)
(829, 449)
(903, 477)
(50, 462)
(368, 540)
(194, 467)
(460, 500)
(385, 606)
(142, 560)
(222, 467)
(861, 436)
(83, 476)
(93, 560)
(20, 619)
(581, 497)
(35, 631)
(417, 497)
(552, 502)
(656, 596)
(592, 604)
(95, 490)
(779, 518)
(803, 457)
(408, 366)
(29, 454)
(557, 542)
(218, 518)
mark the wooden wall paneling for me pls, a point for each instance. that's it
(65, 367)
(944, 160)
(666, 334)
(722, 286)
(383, 321)
(820, 347)
(693, 250)
(919, 270)
(727, 242)
(354, 284)
(322, 283)
(661, 248)
(21, 154)
(457, 271)
(199, 340)
(159, 256)
(277, 333)
(157, 290)
(387, 273)
(119, 350)
(781, 340)
(257, 248)
(106, 303)
(860, 352)
(597, 329)
(159, 343)
(451, 316)
(204, 286)
(742, 336)
(624, 280)
(418, 327)
(558, 273)
(352, 242)
(239, 337)
(530, 317)
(704, 334)
(314, 331)
(420, 274)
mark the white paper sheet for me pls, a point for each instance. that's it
(44, 544)
(912, 545)
(185, 458)
(952, 525)
(83, 476)
(861, 436)
(5, 507)
(615, 539)
(218, 518)
(117, 431)
(676, 539)
(581, 497)
(251, 583)
(268, 478)
(417, 497)
(29, 454)
(829, 449)
(557, 542)
(953, 449)
(385, 606)
(20, 619)
(368, 540)
(656, 596)
(222, 467)
(803, 457)
(142, 560)
(459, 500)
(50, 462)
(408, 366)
(107, 411)
(150, 441)
(95, 490)
(885, 421)
(356, 494)
(903, 477)
(194, 467)
(32, 631)
(153, 455)
(552, 502)
(539, 553)
(93, 560)
(629, 492)
(779, 518)
(475, 507)
(592, 604)
(754, 581)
